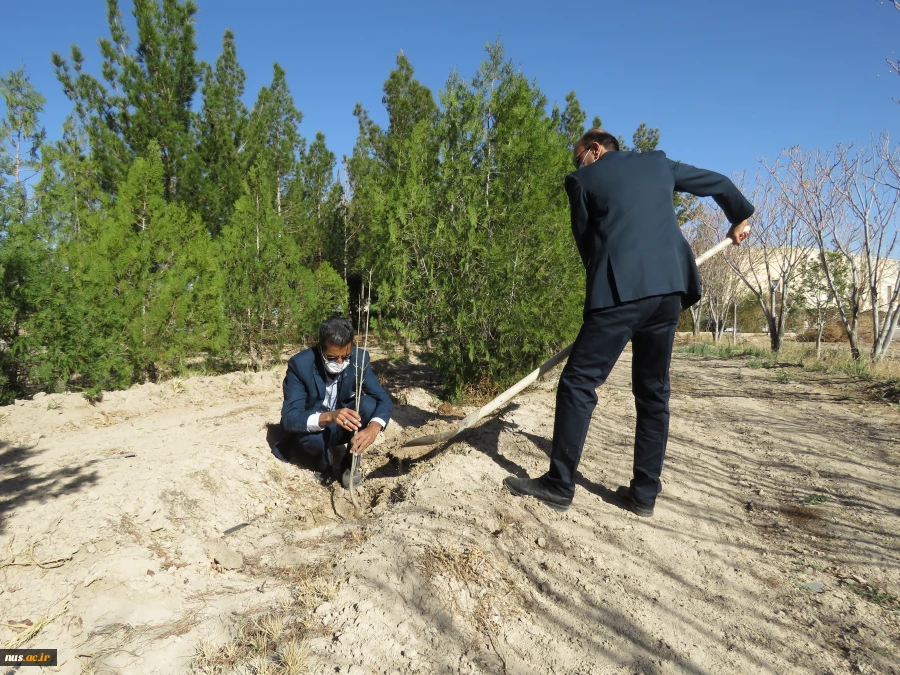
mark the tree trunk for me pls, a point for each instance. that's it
(278, 193)
(257, 226)
(854, 343)
(695, 319)
(774, 333)
(819, 330)
(734, 327)
(883, 343)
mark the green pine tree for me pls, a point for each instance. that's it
(273, 137)
(149, 94)
(392, 194)
(314, 201)
(572, 120)
(268, 292)
(151, 273)
(24, 248)
(644, 138)
(215, 175)
(505, 286)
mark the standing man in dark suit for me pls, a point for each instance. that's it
(640, 273)
(319, 395)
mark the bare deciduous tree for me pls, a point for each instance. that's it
(868, 182)
(720, 283)
(701, 239)
(817, 294)
(895, 65)
(848, 199)
(771, 263)
(807, 185)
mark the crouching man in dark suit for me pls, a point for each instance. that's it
(319, 399)
(640, 274)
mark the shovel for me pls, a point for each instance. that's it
(532, 377)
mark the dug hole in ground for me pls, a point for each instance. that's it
(774, 547)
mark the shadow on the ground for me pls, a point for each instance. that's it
(397, 375)
(710, 472)
(26, 480)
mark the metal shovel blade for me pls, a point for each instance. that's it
(434, 439)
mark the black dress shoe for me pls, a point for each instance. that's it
(279, 455)
(324, 478)
(638, 508)
(534, 487)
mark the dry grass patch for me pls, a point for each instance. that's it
(271, 643)
(473, 584)
(462, 564)
(36, 627)
(311, 586)
(884, 375)
(267, 643)
(278, 475)
(128, 527)
(180, 507)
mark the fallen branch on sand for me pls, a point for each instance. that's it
(32, 561)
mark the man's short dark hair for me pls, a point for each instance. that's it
(605, 140)
(337, 330)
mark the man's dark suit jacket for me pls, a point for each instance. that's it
(304, 389)
(625, 227)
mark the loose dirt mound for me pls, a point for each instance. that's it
(156, 533)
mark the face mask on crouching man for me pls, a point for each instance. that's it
(320, 414)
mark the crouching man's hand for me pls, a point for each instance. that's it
(363, 439)
(345, 418)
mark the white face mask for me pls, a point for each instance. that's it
(336, 368)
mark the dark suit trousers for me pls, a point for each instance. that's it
(314, 447)
(650, 325)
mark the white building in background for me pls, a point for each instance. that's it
(754, 260)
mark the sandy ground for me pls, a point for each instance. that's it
(775, 547)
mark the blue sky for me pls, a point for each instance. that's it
(725, 82)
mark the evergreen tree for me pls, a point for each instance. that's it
(394, 204)
(215, 176)
(24, 250)
(314, 201)
(270, 297)
(21, 137)
(69, 198)
(69, 190)
(273, 138)
(363, 194)
(644, 138)
(149, 270)
(572, 120)
(504, 284)
(149, 93)
(408, 103)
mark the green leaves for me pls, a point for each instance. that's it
(270, 297)
(273, 138)
(467, 222)
(149, 94)
(215, 171)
